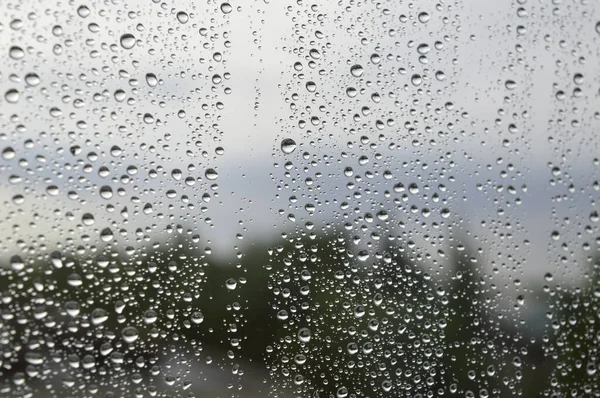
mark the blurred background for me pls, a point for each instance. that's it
(347, 199)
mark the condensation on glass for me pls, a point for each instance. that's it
(299, 199)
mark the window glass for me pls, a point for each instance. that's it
(299, 199)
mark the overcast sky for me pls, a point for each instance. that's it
(502, 66)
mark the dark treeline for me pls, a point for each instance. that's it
(325, 321)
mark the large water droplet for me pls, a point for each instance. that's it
(226, 8)
(12, 96)
(357, 70)
(288, 145)
(127, 41)
(32, 79)
(17, 263)
(211, 174)
(129, 334)
(16, 52)
(183, 17)
(424, 17)
(151, 79)
(304, 335)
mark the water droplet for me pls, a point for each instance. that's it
(32, 79)
(197, 317)
(416, 79)
(226, 8)
(12, 96)
(357, 70)
(231, 284)
(127, 41)
(363, 255)
(129, 334)
(150, 316)
(52, 190)
(16, 24)
(87, 219)
(17, 263)
(151, 79)
(211, 174)
(106, 235)
(183, 17)
(510, 84)
(342, 392)
(424, 17)
(148, 118)
(304, 335)
(83, 11)
(99, 316)
(106, 192)
(288, 146)
(16, 52)
(73, 308)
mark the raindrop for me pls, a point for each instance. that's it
(52, 190)
(197, 317)
(127, 41)
(416, 79)
(304, 335)
(231, 284)
(363, 255)
(32, 79)
(150, 316)
(129, 334)
(16, 263)
(106, 192)
(423, 17)
(16, 52)
(183, 17)
(12, 96)
(226, 8)
(357, 70)
(211, 174)
(8, 153)
(99, 316)
(151, 79)
(83, 11)
(288, 145)
(106, 235)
